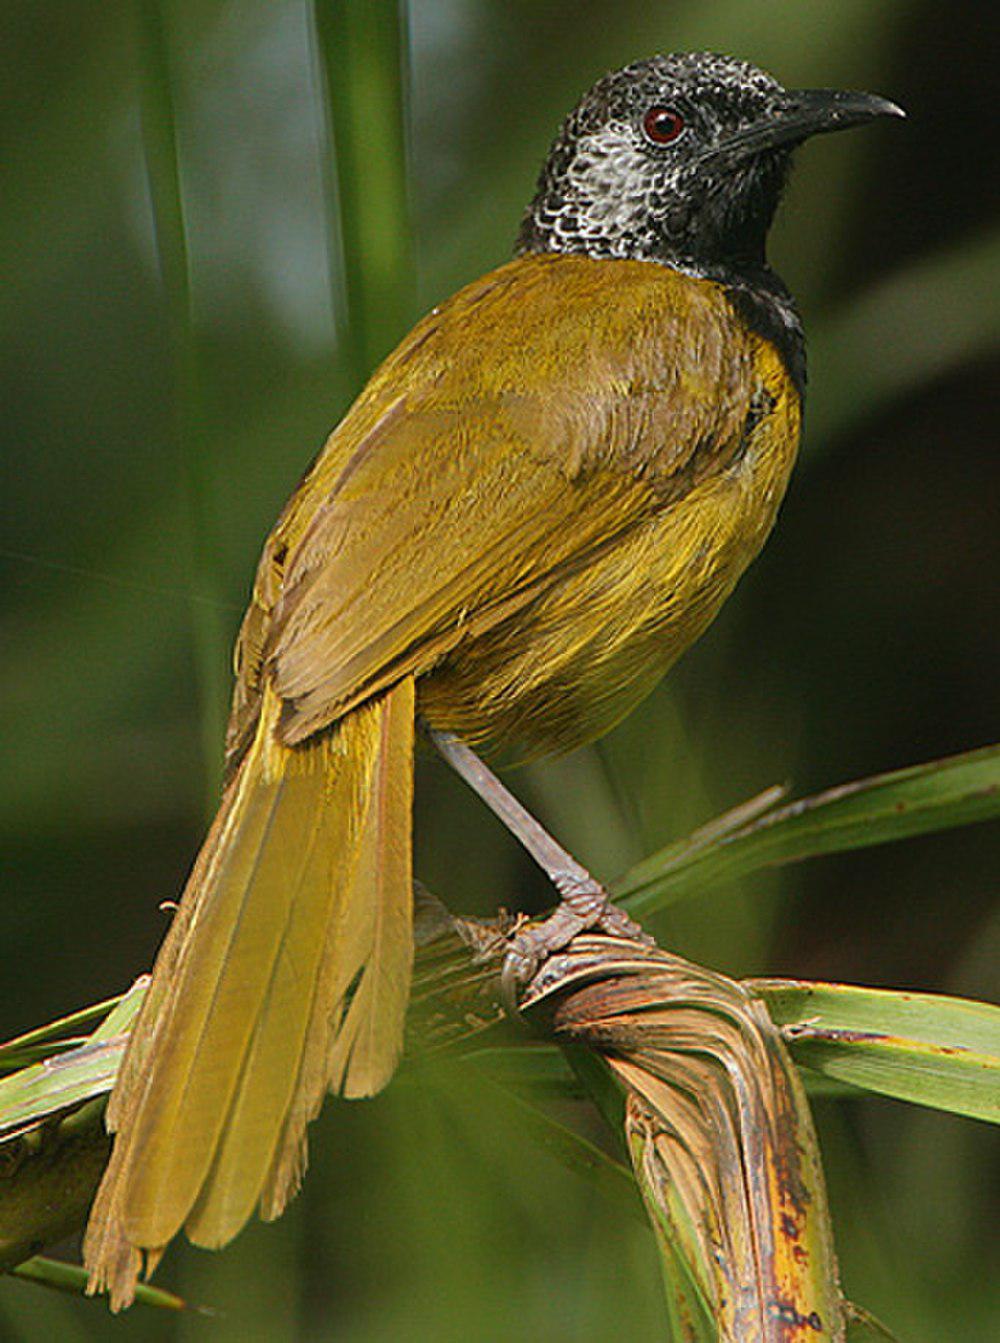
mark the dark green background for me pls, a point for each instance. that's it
(865, 638)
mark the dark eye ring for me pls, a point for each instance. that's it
(662, 125)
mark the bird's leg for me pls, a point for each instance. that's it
(584, 901)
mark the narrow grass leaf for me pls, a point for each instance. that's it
(34, 1094)
(935, 796)
(72, 1278)
(52, 1038)
(920, 1047)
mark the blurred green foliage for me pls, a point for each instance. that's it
(865, 638)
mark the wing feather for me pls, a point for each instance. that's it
(523, 427)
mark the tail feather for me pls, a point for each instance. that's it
(266, 1082)
(367, 1049)
(222, 981)
(303, 892)
(374, 937)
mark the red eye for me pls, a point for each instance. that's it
(661, 125)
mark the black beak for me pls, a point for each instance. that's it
(803, 113)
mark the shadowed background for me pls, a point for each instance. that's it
(865, 637)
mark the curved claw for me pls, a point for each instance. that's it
(616, 923)
(513, 976)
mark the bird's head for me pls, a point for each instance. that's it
(680, 159)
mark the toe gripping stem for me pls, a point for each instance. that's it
(585, 906)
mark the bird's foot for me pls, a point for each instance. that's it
(585, 907)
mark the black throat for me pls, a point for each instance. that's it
(763, 301)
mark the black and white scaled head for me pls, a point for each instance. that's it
(680, 159)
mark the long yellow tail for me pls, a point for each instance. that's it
(285, 974)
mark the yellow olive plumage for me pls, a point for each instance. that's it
(540, 499)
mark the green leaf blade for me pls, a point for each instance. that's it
(939, 795)
(925, 1048)
(63, 1080)
(72, 1278)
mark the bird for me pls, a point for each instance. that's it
(540, 499)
